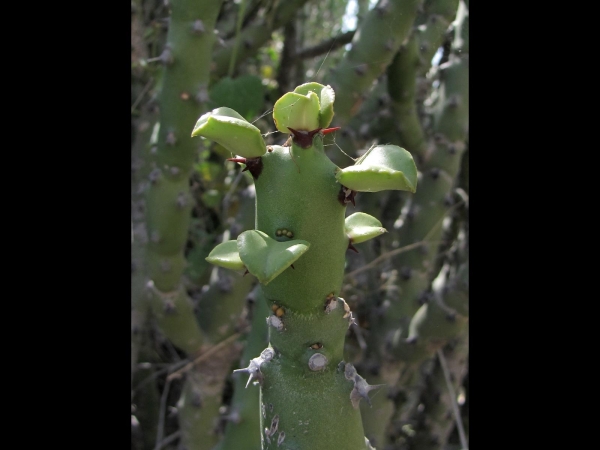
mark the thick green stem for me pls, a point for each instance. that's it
(305, 398)
(378, 37)
(422, 222)
(186, 57)
(376, 41)
(309, 394)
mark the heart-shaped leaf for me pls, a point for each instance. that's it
(266, 258)
(232, 131)
(380, 168)
(226, 255)
(361, 227)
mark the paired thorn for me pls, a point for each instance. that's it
(246, 273)
(303, 138)
(351, 247)
(254, 165)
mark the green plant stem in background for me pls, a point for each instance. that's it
(253, 37)
(186, 59)
(422, 222)
(403, 75)
(376, 41)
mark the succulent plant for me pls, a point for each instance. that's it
(309, 395)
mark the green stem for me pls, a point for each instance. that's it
(238, 26)
(376, 41)
(305, 407)
(254, 36)
(423, 220)
(187, 57)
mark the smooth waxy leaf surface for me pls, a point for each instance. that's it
(385, 167)
(266, 258)
(305, 88)
(326, 112)
(361, 227)
(326, 98)
(226, 255)
(232, 131)
(300, 112)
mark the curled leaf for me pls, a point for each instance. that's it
(381, 168)
(232, 131)
(326, 98)
(226, 255)
(300, 112)
(361, 227)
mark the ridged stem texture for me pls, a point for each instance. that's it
(309, 394)
(376, 41)
(410, 65)
(186, 60)
(422, 222)
(305, 396)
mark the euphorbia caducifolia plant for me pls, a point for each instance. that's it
(309, 394)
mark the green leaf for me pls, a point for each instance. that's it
(305, 88)
(326, 98)
(226, 255)
(381, 168)
(266, 258)
(244, 94)
(232, 131)
(361, 227)
(301, 112)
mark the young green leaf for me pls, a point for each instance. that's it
(266, 258)
(361, 227)
(232, 131)
(226, 255)
(300, 112)
(326, 98)
(381, 168)
(326, 113)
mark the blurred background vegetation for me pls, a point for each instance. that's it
(400, 73)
